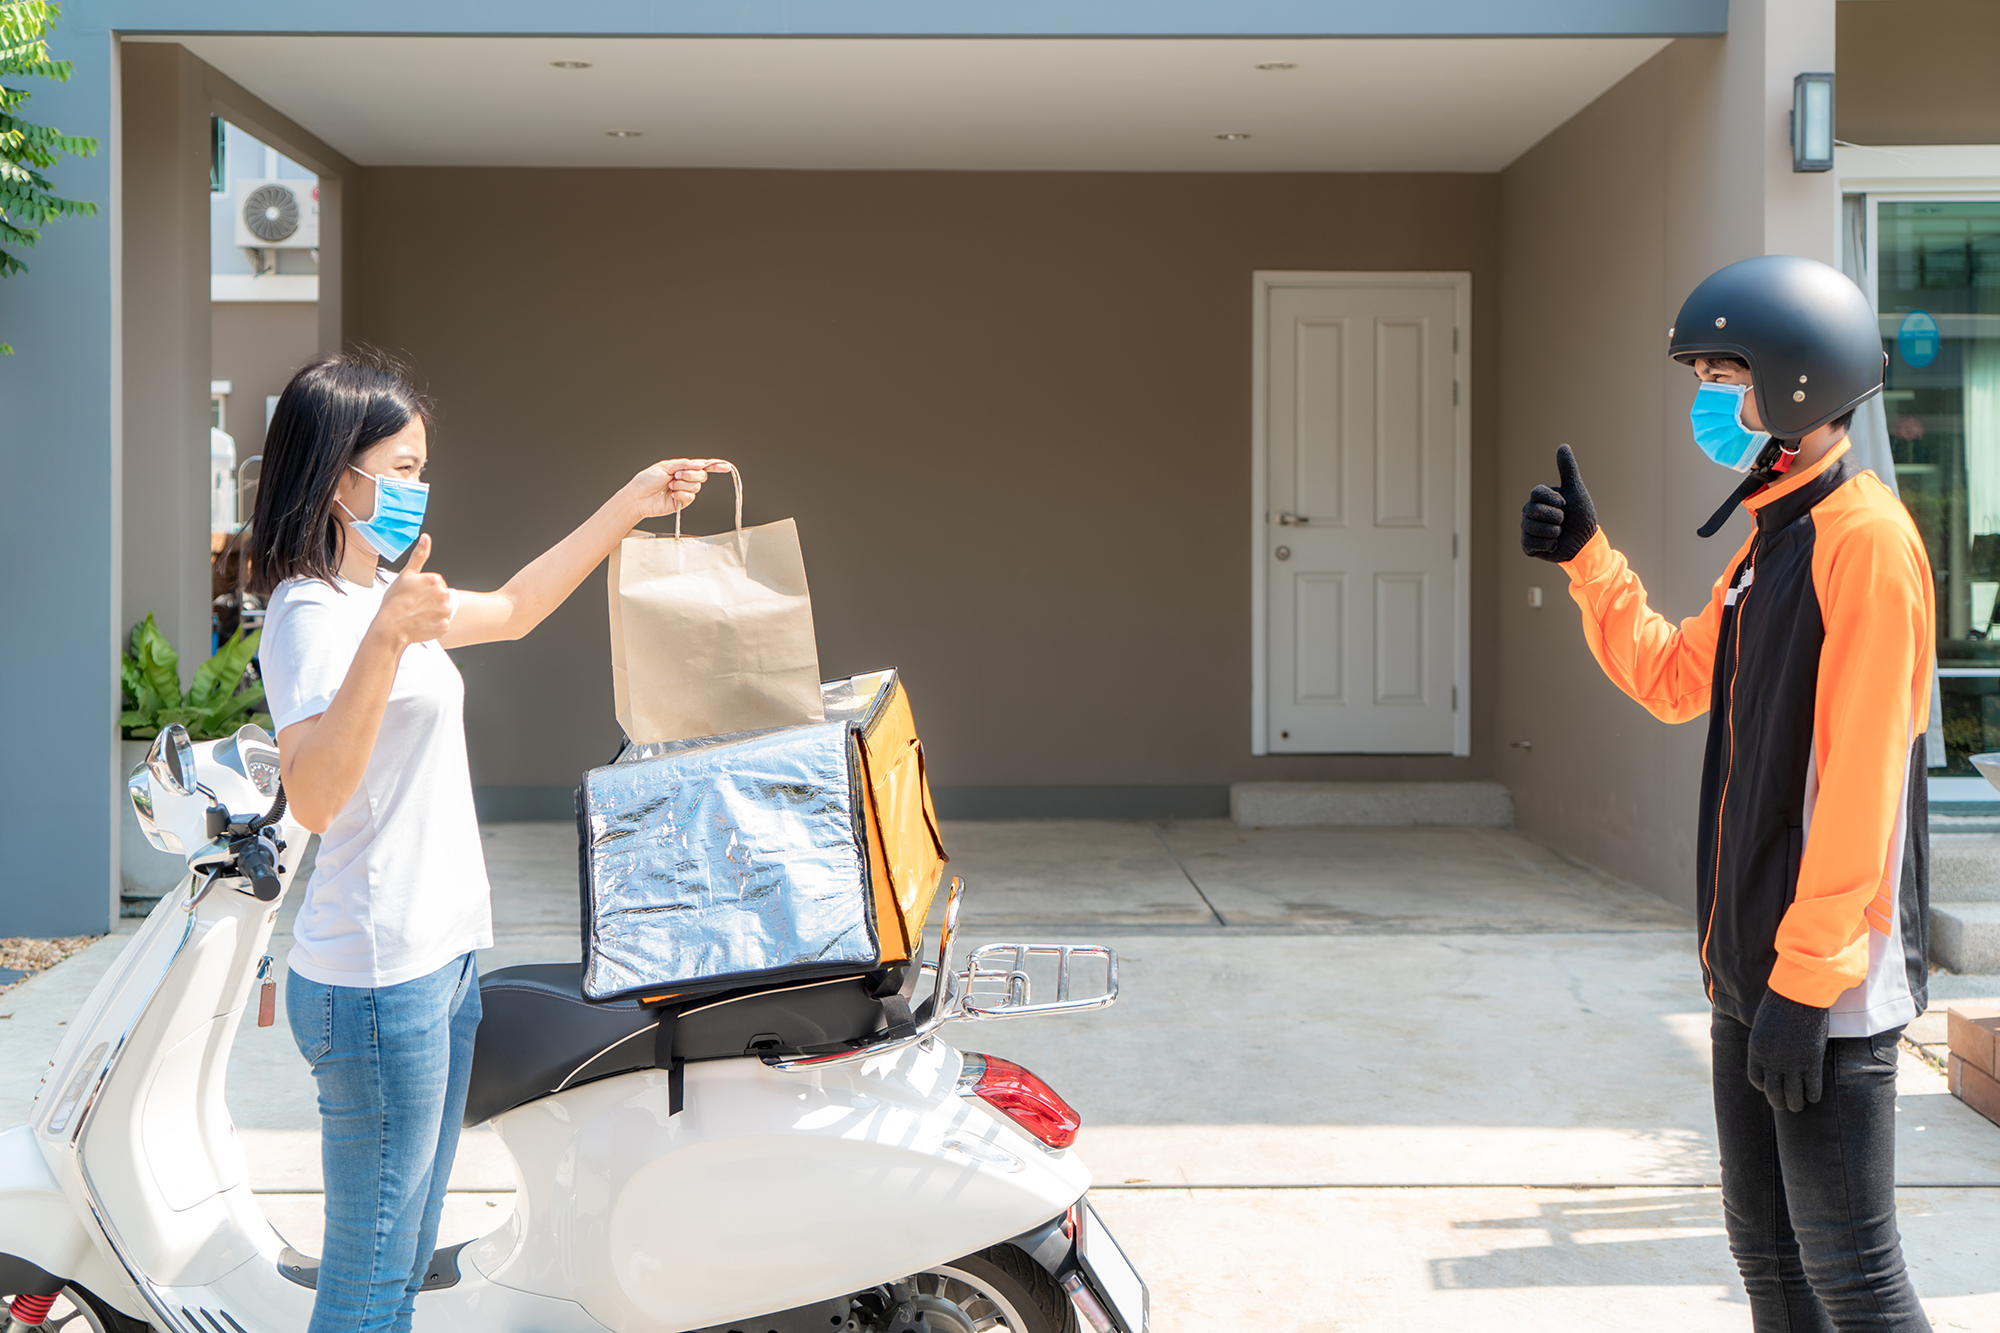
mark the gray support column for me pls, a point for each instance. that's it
(59, 603)
(336, 200)
(1801, 209)
(166, 346)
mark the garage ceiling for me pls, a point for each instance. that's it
(1440, 104)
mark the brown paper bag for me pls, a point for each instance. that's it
(711, 635)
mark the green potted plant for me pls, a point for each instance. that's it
(217, 702)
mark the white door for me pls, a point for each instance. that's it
(1363, 458)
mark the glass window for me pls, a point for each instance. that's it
(1938, 290)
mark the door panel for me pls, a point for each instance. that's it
(1399, 639)
(1321, 678)
(1316, 457)
(1399, 424)
(1361, 599)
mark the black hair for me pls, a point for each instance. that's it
(335, 406)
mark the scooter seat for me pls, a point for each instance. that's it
(538, 1035)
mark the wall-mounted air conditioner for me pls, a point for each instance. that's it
(277, 214)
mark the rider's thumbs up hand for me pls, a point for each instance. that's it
(1556, 522)
(417, 606)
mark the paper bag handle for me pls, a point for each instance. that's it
(735, 475)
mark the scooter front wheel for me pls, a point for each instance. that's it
(79, 1311)
(1001, 1288)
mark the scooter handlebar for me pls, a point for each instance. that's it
(259, 865)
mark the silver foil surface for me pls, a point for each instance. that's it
(850, 700)
(738, 859)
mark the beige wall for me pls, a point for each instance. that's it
(164, 212)
(256, 345)
(1918, 72)
(1606, 226)
(1010, 412)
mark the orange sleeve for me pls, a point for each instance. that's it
(1874, 589)
(1666, 667)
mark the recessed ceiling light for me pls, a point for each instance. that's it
(624, 134)
(570, 64)
(1233, 136)
(1272, 66)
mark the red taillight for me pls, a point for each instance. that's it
(1021, 1097)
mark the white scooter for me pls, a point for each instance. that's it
(811, 1159)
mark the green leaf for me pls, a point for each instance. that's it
(30, 201)
(159, 665)
(221, 675)
(167, 717)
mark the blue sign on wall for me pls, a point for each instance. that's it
(1917, 339)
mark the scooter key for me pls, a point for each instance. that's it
(267, 995)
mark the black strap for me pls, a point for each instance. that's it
(1762, 475)
(898, 1021)
(664, 1058)
(1751, 484)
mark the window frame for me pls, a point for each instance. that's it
(1947, 790)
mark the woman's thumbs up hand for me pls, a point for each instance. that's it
(417, 606)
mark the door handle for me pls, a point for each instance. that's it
(1288, 519)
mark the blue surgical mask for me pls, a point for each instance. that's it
(1717, 418)
(398, 518)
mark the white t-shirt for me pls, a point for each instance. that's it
(399, 888)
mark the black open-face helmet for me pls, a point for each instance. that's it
(1809, 336)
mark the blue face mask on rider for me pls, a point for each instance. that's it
(1717, 418)
(398, 518)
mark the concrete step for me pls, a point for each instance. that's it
(1965, 937)
(1268, 804)
(1965, 866)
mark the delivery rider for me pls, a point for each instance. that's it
(1813, 659)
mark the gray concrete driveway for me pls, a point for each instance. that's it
(1358, 1079)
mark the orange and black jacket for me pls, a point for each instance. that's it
(1813, 659)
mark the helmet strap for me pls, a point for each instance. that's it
(1772, 463)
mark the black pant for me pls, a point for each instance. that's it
(1810, 1197)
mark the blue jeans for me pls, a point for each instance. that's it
(1809, 1197)
(392, 1064)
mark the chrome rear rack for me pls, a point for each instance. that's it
(996, 982)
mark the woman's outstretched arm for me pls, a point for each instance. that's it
(542, 586)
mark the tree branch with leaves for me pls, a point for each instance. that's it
(28, 201)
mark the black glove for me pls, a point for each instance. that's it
(1787, 1052)
(1556, 523)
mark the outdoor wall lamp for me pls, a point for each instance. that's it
(1812, 122)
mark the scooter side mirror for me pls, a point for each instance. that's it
(171, 760)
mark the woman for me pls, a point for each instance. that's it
(382, 996)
